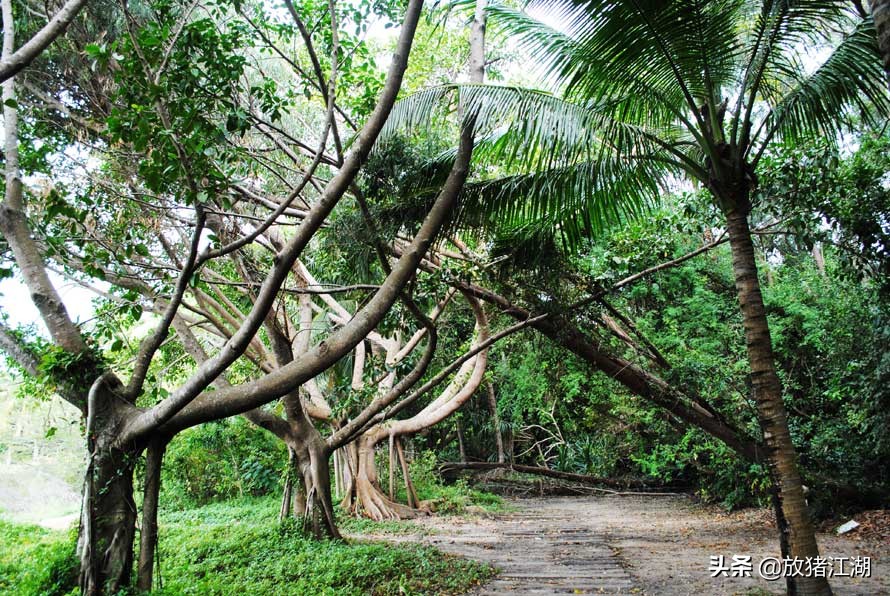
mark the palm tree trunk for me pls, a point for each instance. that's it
(880, 9)
(767, 392)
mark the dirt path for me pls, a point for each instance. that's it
(630, 545)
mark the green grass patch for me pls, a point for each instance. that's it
(238, 547)
(363, 525)
(35, 561)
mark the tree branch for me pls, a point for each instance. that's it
(13, 62)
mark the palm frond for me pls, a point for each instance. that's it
(781, 31)
(550, 164)
(668, 55)
(415, 112)
(814, 104)
(526, 129)
(571, 203)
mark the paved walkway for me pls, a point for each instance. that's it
(545, 547)
(652, 545)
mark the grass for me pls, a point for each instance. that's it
(34, 560)
(238, 547)
(362, 525)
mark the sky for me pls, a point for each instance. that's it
(15, 301)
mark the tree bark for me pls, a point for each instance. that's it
(460, 441)
(367, 496)
(819, 258)
(495, 421)
(313, 458)
(880, 10)
(108, 518)
(392, 468)
(318, 513)
(148, 539)
(781, 456)
(411, 494)
(287, 496)
(13, 62)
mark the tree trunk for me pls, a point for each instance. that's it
(782, 525)
(496, 421)
(108, 522)
(460, 441)
(108, 515)
(767, 392)
(392, 468)
(880, 9)
(313, 458)
(410, 493)
(349, 457)
(368, 498)
(319, 509)
(148, 539)
(819, 258)
(287, 496)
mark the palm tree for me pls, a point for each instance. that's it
(652, 90)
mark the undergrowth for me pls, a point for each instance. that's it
(34, 560)
(239, 547)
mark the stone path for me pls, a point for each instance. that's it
(543, 548)
(652, 546)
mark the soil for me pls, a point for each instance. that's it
(657, 545)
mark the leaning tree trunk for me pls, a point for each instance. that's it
(108, 517)
(767, 392)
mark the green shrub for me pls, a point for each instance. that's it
(221, 460)
(450, 499)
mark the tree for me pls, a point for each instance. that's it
(658, 90)
(119, 428)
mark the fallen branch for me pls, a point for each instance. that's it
(582, 478)
(562, 488)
